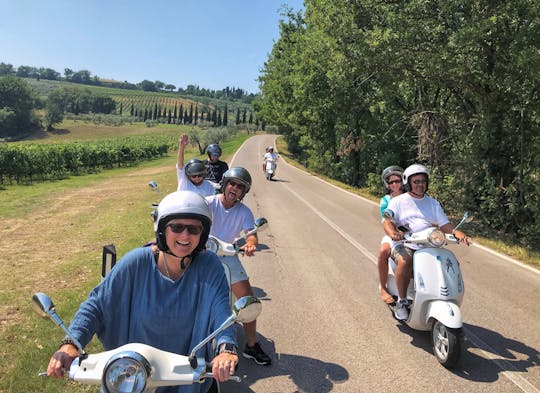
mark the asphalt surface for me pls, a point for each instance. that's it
(323, 321)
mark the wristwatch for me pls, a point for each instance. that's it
(228, 348)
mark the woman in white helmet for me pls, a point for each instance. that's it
(417, 211)
(170, 295)
(191, 177)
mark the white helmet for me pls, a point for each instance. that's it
(182, 204)
(414, 169)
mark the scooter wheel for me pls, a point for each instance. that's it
(447, 343)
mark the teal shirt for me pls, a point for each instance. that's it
(383, 204)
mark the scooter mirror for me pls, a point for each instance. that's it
(153, 185)
(260, 223)
(42, 304)
(389, 214)
(467, 217)
(247, 309)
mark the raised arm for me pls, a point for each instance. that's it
(182, 143)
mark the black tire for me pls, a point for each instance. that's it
(447, 343)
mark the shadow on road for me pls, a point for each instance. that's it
(308, 374)
(475, 366)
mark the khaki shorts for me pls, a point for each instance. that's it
(238, 273)
(401, 250)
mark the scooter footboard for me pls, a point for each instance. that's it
(447, 313)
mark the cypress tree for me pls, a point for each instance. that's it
(181, 114)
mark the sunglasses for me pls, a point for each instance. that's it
(239, 185)
(394, 182)
(195, 176)
(192, 229)
(419, 182)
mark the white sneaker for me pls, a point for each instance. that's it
(402, 311)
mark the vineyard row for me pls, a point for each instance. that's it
(26, 163)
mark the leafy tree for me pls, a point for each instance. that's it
(48, 73)
(147, 85)
(55, 108)
(68, 73)
(355, 86)
(26, 71)
(6, 69)
(17, 102)
(82, 76)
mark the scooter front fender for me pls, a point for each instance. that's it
(448, 313)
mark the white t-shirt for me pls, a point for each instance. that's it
(228, 223)
(184, 184)
(271, 156)
(417, 213)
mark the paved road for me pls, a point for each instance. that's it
(324, 324)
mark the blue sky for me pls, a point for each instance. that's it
(210, 43)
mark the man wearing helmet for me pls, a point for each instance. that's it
(231, 217)
(215, 168)
(169, 295)
(270, 155)
(391, 179)
(417, 211)
(191, 177)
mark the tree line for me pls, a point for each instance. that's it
(86, 77)
(356, 86)
(18, 105)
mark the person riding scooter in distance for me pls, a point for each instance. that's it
(270, 155)
(231, 217)
(392, 180)
(191, 177)
(417, 211)
(215, 168)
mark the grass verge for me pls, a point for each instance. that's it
(53, 234)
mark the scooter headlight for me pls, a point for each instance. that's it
(212, 245)
(437, 238)
(126, 372)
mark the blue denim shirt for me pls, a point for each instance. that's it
(135, 303)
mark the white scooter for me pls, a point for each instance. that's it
(140, 368)
(270, 168)
(435, 292)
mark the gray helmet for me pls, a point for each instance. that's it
(414, 169)
(182, 204)
(239, 174)
(389, 171)
(213, 150)
(195, 167)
